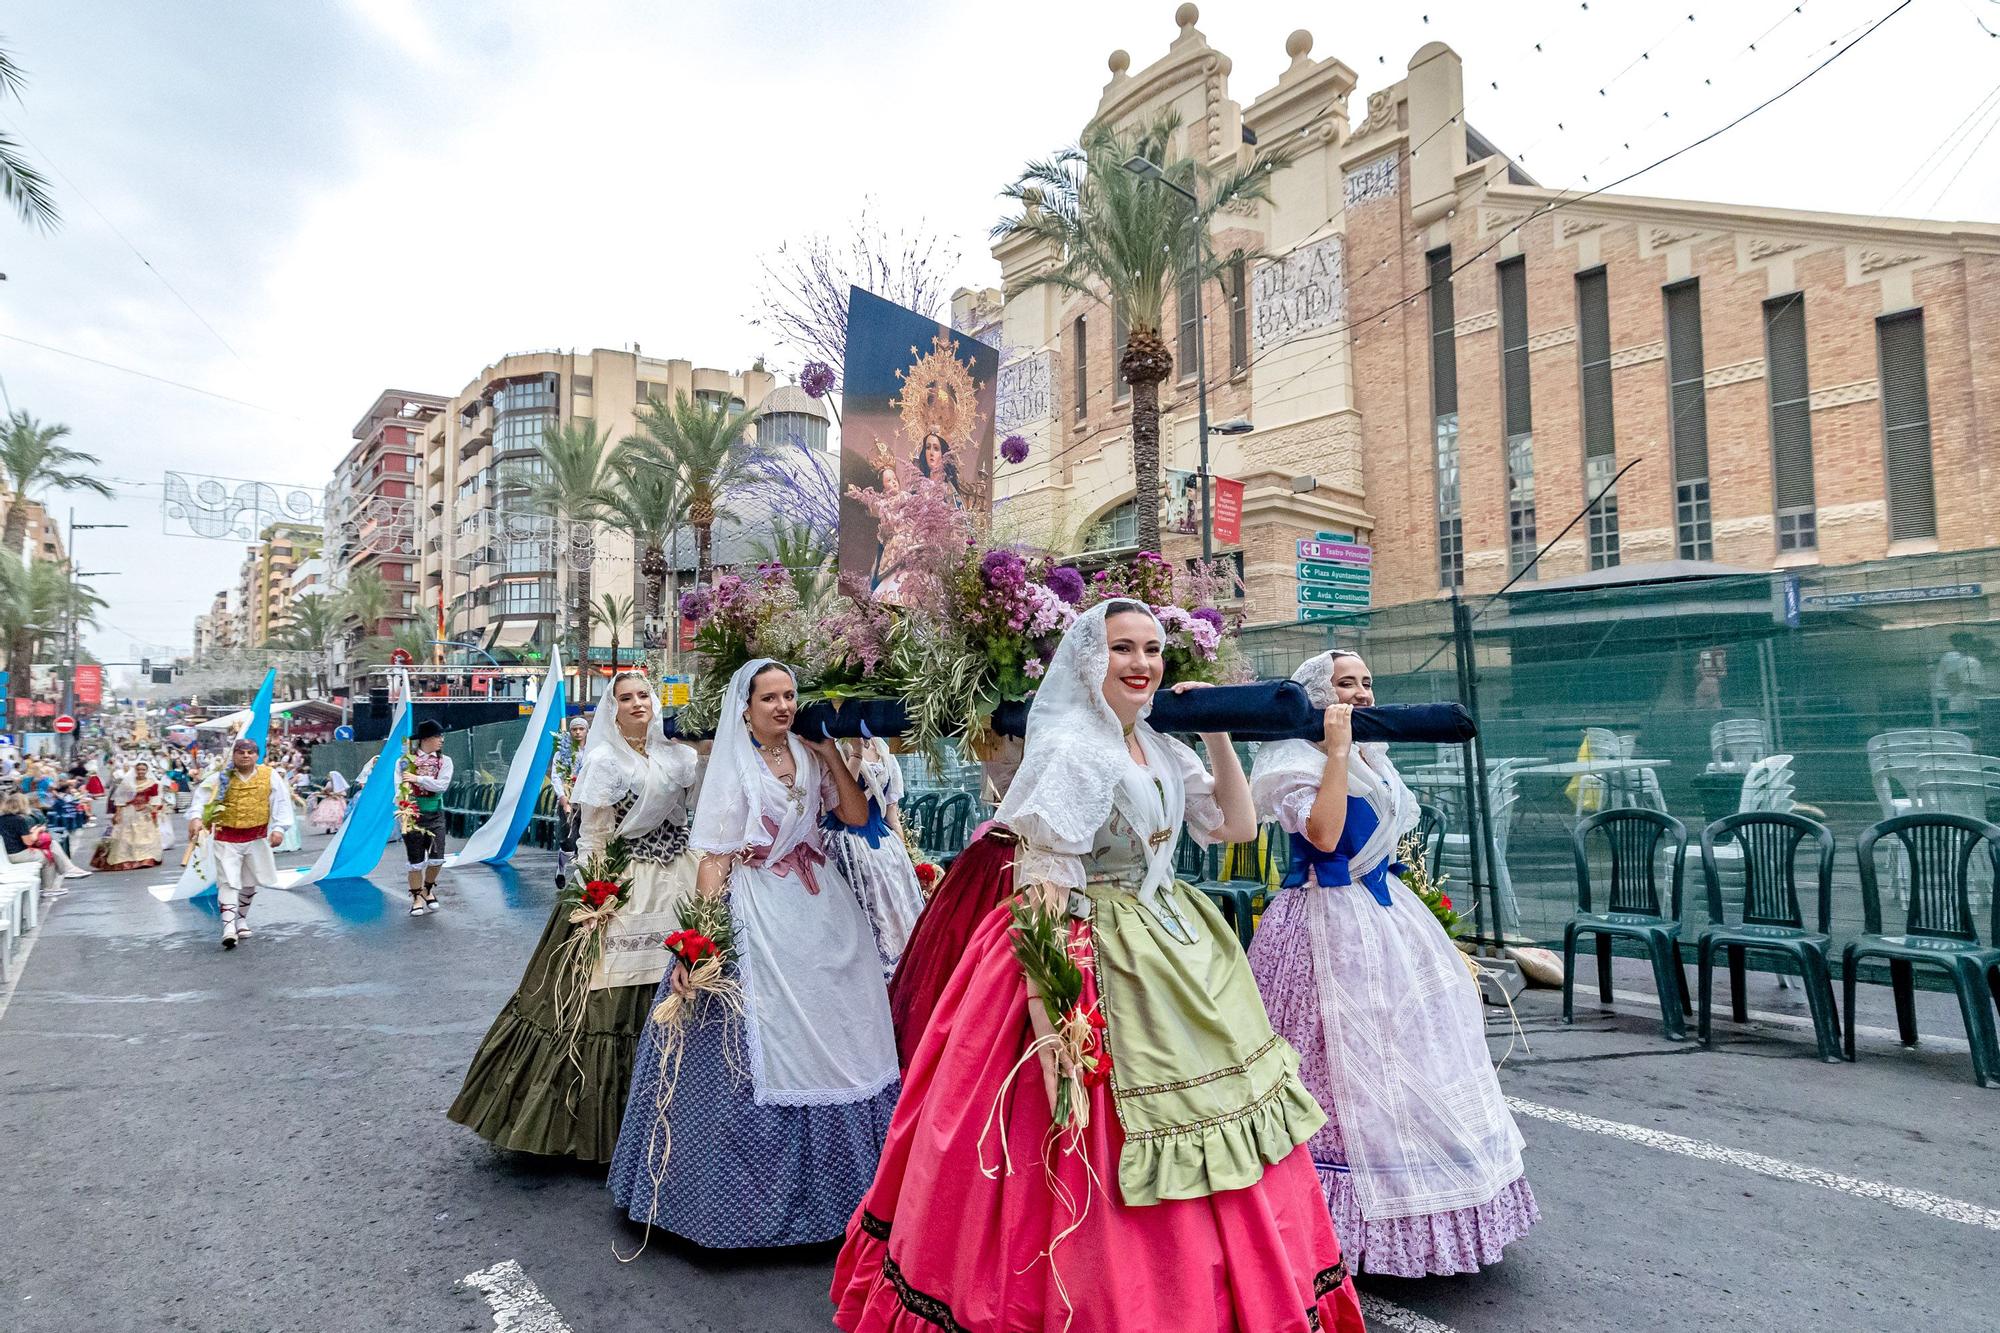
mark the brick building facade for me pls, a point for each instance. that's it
(1447, 360)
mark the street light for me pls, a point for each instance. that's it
(69, 686)
(1148, 170)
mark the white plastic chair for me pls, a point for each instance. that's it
(1737, 743)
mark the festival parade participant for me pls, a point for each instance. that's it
(1420, 1160)
(872, 857)
(551, 1076)
(422, 778)
(246, 809)
(134, 840)
(1118, 1143)
(329, 810)
(562, 779)
(762, 1092)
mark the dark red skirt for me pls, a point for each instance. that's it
(981, 877)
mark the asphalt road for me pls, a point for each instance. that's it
(237, 1142)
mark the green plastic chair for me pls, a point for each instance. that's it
(917, 816)
(950, 821)
(1772, 920)
(1938, 930)
(1636, 909)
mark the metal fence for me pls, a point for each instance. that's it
(1677, 693)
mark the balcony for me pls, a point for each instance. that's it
(475, 429)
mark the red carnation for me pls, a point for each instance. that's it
(1444, 902)
(599, 892)
(927, 875)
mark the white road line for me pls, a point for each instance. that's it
(1722, 1021)
(518, 1304)
(1387, 1314)
(1920, 1201)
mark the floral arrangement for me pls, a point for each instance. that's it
(928, 875)
(1416, 878)
(408, 812)
(596, 890)
(1065, 1027)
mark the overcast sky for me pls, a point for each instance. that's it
(359, 194)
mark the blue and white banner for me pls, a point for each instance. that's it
(495, 840)
(371, 817)
(199, 876)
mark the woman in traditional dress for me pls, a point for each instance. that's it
(329, 811)
(134, 840)
(1419, 1160)
(541, 1085)
(872, 857)
(1185, 1199)
(562, 780)
(980, 878)
(763, 1127)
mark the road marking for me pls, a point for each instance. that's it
(1919, 1201)
(17, 966)
(518, 1304)
(1387, 1314)
(1936, 1041)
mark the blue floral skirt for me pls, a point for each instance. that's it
(740, 1175)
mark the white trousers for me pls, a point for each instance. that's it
(241, 868)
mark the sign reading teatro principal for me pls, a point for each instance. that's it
(1302, 293)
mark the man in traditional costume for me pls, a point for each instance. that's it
(427, 773)
(246, 808)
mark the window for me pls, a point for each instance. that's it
(521, 395)
(786, 427)
(1081, 362)
(580, 386)
(647, 389)
(1117, 530)
(1239, 318)
(1906, 426)
(520, 433)
(1518, 415)
(1687, 405)
(1791, 422)
(1121, 338)
(1188, 308)
(1444, 416)
(1600, 464)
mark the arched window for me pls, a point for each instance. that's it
(784, 427)
(1117, 530)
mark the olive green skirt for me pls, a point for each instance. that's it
(523, 1092)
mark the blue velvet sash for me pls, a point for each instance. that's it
(872, 832)
(1329, 869)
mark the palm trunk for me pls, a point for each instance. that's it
(653, 569)
(701, 554)
(579, 586)
(1146, 363)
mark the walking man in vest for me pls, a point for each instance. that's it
(427, 774)
(246, 810)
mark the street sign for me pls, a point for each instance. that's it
(401, 657)
(1333, 536)
(65, 725)
(1308, 614)
(343, 733)
(1344, 552)
(1313, 572)
(1318, 594)
(674, 691)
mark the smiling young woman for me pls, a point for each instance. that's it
(1186, 1147)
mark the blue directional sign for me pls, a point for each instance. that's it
(343, 733)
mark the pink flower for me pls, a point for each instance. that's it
(1034, 669)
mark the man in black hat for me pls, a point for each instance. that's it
(427, 770)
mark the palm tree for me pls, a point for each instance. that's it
(646, 502)
(1124, 239)
(313, 626)
(20, 184)
(566, 484)
(33, 459)
(616, 613)
(39, 603)
(710, 450)
(362, 606)
(806, 553)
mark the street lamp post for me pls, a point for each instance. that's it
(69, 616)
(1147, 169)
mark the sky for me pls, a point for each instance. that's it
(284, 208)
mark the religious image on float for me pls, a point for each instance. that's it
(917, 434)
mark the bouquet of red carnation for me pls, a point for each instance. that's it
(594, 894)
(691, 947)
(1065, 1028)
(928, 875)
(1416, 878)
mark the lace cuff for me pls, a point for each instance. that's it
(1040, 865)
(1292, 806)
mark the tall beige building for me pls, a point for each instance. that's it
(264, 584)
(501, 578)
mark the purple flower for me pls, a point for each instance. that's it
(1034, 668)
(696, 603)
(1065, 583)
(816, 379)
(1014, 449)
(1211, 615)
(1002, 569)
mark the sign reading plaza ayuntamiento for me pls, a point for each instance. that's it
(1302, 293)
